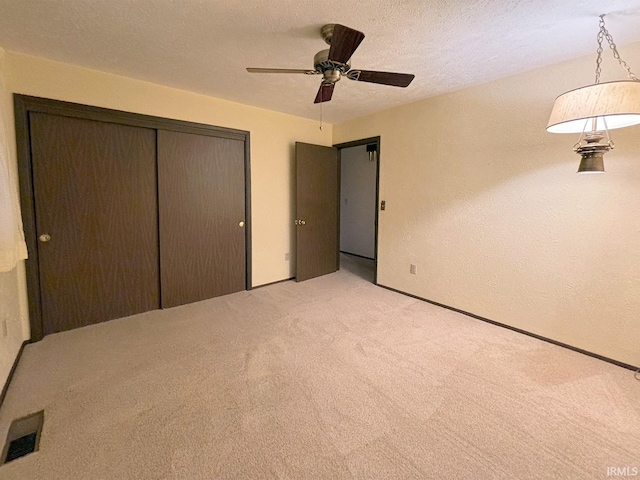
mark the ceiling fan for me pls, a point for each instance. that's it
(333, 63)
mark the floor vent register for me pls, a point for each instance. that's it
(23, 437)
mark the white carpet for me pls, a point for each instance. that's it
(329, 378)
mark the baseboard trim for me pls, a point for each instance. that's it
(274, 283)
(11, 372)
(356, 255)
(519, 330)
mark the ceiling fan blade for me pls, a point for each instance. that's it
(325, 92)
(281, 70)
(383, 78)
(344, 42)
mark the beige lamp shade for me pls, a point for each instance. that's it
(618, 103)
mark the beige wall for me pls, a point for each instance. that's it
(272, 138)
(272, 145)
(489, 207)
(479, 196)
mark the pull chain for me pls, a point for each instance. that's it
(321, 115)
(602, 34)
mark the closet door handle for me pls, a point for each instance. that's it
(241, 224)
(44, 238)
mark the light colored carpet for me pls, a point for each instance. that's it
(329, 378)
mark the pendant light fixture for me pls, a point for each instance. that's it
(595, 109)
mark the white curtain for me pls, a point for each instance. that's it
(12, 245)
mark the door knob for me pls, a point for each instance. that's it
(241, 224)
(302, 222)
(44, 238)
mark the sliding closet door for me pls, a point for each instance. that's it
(96, 220)
(201, 188)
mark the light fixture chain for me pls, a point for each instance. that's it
(600, 50)
(604, 33)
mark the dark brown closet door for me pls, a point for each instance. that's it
(96, 220)
(202, 206)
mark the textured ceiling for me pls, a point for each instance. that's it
(205, 45)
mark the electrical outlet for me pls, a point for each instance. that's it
(4, 328)
(413, 269)
(287, 257)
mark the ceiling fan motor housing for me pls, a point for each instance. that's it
(331, 71)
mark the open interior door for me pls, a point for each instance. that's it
(317, 210)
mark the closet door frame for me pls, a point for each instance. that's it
(24, 105)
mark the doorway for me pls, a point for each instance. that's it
(359, 192)
(319, 209)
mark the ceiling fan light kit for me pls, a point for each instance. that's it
(333, 63)
(595, 109)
